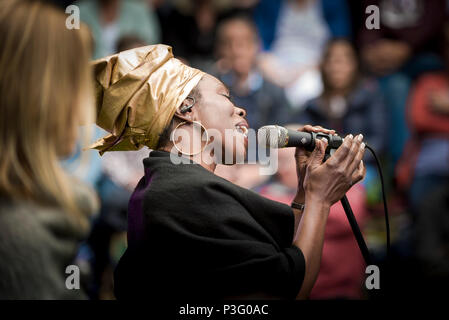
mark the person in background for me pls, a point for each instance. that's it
(294, 33)
(109, 20)
(244, 7)
(237, 49)
(349, 104)
(336, 280)
(45, 94)
(423, 170)
(403, 47)
(190, 28)
(129, 42)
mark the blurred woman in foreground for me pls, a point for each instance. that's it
(44, 96)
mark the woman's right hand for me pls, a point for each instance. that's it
(329, 181)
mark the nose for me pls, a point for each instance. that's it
(240, 111)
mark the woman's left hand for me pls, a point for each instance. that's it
(301, 157)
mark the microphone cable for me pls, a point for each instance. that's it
(384, 200)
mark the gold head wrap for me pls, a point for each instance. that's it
(137, 93)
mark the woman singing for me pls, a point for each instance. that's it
(192, 234)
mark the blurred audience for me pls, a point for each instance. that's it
(405, 46)
(424, 168)
(350, 103)
(294, 33)
(45, 94)
(109, 20)
(189, 26)
(409, 32)
(237, 48)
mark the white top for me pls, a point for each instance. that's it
(301, 33)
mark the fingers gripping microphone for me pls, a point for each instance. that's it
(280, 137)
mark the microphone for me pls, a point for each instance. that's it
(280, 137)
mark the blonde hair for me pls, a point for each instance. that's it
(45, 94)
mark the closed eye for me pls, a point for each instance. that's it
(229, 98)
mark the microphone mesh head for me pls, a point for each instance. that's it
(276, 136)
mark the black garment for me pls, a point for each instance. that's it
(201, 236)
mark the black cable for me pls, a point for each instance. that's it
(356, 230)
(387, 222)
(352, 221)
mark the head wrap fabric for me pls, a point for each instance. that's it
(137, 93)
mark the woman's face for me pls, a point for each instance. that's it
(340, 66)
(218, 114)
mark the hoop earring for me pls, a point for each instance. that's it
(172, 138)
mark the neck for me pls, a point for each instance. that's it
(203, 158)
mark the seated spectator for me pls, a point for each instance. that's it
(237, 49)
(44, 90)
(294, 33)
(336, 280)
(403, 47)
(109, 20)
(349, 104)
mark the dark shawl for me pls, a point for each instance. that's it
(193, 234)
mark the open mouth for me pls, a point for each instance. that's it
(242, 129)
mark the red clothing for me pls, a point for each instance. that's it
(342, 270)
(422, 118)
(424, 123)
